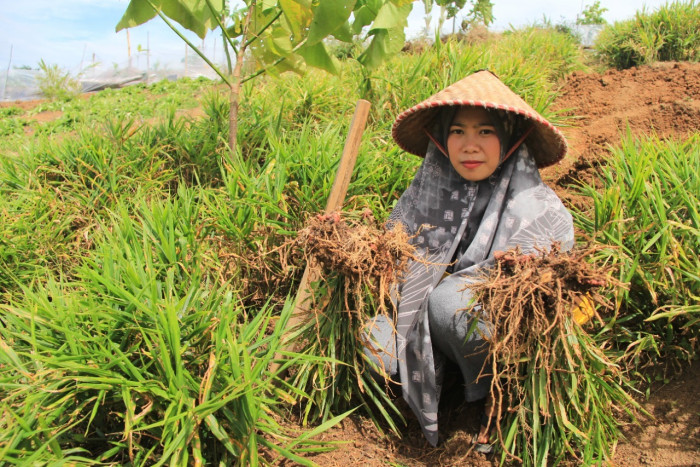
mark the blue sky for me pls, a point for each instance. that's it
(71, 32)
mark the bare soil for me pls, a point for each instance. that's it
(660, 99)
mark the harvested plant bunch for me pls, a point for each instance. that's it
(559, 393)
(370, 255)
(356, 263)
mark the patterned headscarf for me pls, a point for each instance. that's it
(441, 210)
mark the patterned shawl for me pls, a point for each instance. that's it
(512, 207)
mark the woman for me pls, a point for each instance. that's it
(478, 191)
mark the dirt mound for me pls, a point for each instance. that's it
(661, 99)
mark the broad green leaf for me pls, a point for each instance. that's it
(265, 57)
(193, 15)
(329, 15)
(392, 16)
(344, 33)
(298, 14)
(365, 15)
(385, 43)
(317, 56)
(279, 42)
(373, 5)
(268, 5)
(138, 12)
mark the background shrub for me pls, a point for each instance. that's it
(55, 83)
(670, 34)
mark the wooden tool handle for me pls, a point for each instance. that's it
(349, 157)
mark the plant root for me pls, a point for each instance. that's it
(372, 257)
(544, 365)
(358, 262)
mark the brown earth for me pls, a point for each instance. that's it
(663, 99)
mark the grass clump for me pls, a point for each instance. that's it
(558, 393)
(671, 33)
(55, 83)
(554, 52)
(40, 235)
(646, 211)
(143, 358)
(140, 103)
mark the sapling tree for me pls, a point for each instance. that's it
(592, 14)
(481, 12)
(280, 35)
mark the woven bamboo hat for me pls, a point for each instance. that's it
(483, 88)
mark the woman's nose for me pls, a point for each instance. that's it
(469, 144)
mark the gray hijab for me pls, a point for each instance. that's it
(456, 221)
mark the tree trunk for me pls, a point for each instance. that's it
(235, 87)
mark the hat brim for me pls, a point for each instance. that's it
(546, 143)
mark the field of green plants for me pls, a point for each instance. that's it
(146, 273)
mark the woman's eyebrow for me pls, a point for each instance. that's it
(460, 124)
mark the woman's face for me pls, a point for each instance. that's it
(472, 144)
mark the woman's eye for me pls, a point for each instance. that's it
(456, 131)
(488, 131)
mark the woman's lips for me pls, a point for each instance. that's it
(471, 164)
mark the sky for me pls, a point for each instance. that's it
(76, 33)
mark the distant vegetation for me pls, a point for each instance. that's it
(55, 83)
(670, 33)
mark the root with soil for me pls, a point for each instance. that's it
(359, 262)
(372, 257)
(557, 392)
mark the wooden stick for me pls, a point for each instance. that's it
(349, 157)
(334, 203)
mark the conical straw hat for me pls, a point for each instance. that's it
(483, 88)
